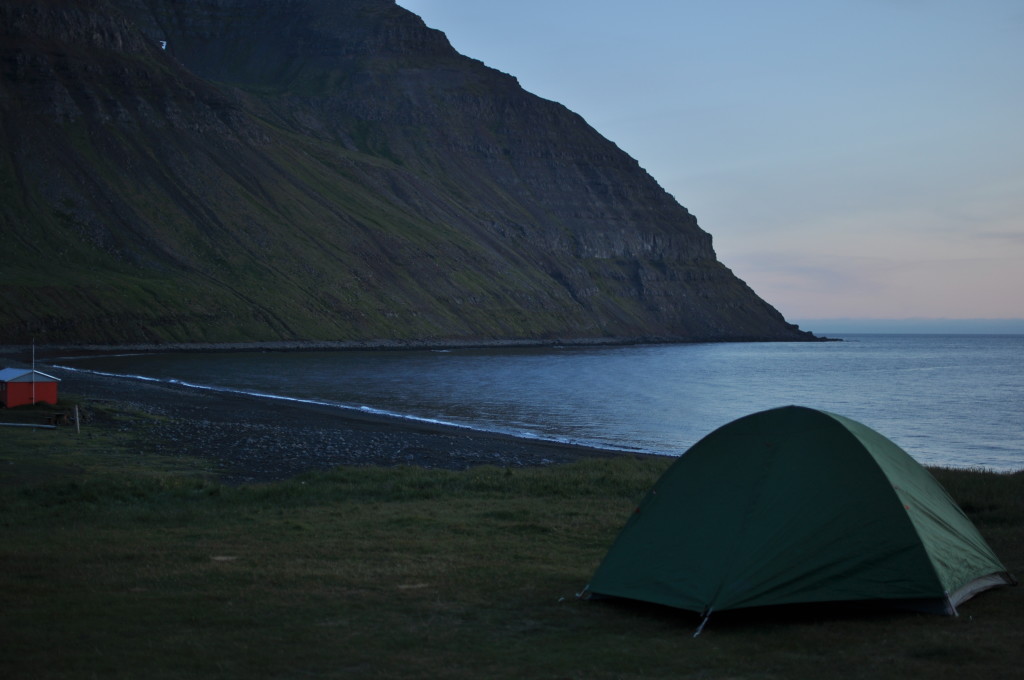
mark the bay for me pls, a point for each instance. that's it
(948, 400)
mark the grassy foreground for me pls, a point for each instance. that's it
(116, 563)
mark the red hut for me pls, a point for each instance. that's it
(20, 386)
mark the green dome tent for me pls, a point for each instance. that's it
(795, 505)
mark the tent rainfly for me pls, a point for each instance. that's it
(796, 505)
(20, 386)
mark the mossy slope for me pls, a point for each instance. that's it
(316, 170)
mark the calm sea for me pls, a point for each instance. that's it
(951, 400)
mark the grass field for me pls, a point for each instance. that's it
(118, 563)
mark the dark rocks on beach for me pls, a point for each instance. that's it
(251, 439)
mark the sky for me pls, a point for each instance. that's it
(850, 158)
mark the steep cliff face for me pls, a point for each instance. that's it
(322, 170)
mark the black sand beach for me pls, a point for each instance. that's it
(251, 439)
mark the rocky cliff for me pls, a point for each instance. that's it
(259, 170)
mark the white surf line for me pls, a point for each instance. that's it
(517, 434)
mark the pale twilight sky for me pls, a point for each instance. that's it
(851, 158)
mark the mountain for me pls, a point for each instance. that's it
(322, 170)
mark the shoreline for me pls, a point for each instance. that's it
(23, 352)
(252, 439)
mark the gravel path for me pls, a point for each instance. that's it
(253, 439)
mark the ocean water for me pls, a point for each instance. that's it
(949, 400)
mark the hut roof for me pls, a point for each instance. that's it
(25, 375)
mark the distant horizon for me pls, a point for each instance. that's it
(919, 325)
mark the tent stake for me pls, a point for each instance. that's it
(704, 621)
